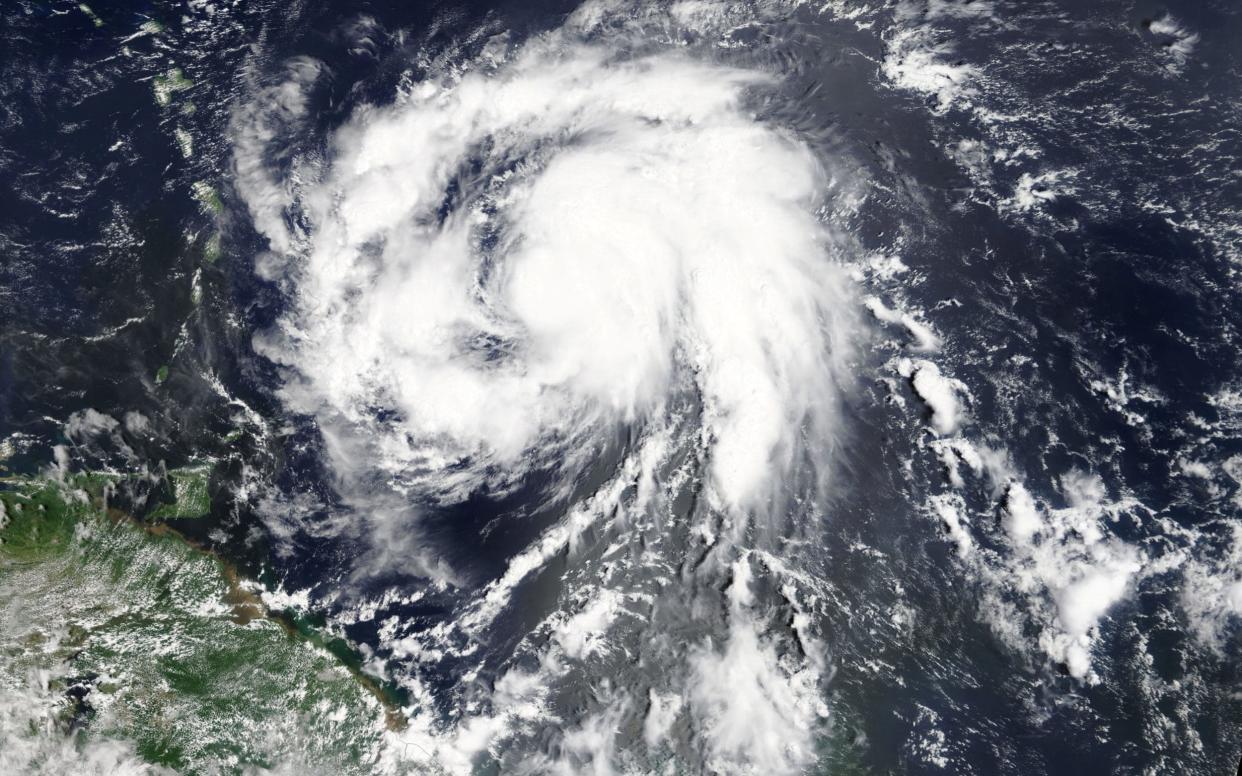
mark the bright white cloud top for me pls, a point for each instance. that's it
(494, 275)
(500, 267)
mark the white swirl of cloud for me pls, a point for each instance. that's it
(495, 272)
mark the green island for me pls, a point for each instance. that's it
(168, 84)
(190, 498)
(123, 645)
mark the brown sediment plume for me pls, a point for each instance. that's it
(247, 606)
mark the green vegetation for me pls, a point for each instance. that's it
(212, 249)
(189, 491)
(208, 197)
(146, 643)
(161, 375)
(184, 142)
(90, 13)
(842, 752)
(38, 519)
(167, 85)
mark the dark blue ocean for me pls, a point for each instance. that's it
(1060, 187)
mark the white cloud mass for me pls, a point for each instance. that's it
(492, 275)
(501, 267)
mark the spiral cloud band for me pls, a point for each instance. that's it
(598, 270)
(500, 266)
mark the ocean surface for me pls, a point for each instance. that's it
(625, 387)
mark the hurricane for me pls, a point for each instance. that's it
(498, 272)
(620, 387)
(595, 274)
